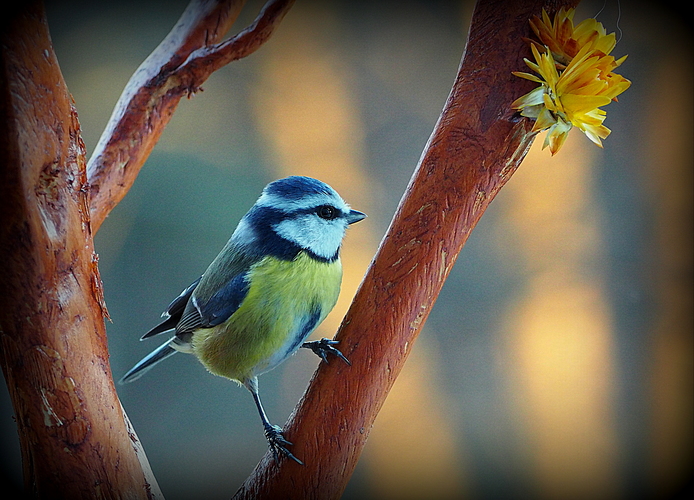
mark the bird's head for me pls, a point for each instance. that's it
(297, 213)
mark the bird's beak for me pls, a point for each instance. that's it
(355, 216)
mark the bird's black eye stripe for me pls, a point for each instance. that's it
(327, 212)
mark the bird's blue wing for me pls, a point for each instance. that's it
(225, 302)
(179, 303)
(206, 313)
(173, 312)
(220, 291)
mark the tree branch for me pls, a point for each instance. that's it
(210, 58)
(474, 149)
(178, 66)
(76, 441)
(53, 349)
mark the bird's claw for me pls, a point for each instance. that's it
(323, 347)
(278, 444)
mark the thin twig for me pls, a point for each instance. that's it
(213, 57)
(191, 52)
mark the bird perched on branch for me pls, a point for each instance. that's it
(273, 283)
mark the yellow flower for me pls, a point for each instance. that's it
(576, 78)
(564, 40)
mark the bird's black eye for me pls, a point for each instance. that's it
(327, 212)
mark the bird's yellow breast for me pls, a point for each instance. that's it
(283, 298)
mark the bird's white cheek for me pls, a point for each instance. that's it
(320, 237)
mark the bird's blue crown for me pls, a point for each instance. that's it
(296, 187)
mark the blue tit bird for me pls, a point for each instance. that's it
(273, 283)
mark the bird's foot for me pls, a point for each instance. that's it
(278, 444)
(323, 347)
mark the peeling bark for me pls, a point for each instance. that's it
(54, 351)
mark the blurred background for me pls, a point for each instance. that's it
(557, 362)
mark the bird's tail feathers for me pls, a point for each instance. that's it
(159, 354)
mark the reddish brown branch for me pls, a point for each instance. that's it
(476, 146)
(73, 436)
(75, 439)
(178, 66)
(213, 57)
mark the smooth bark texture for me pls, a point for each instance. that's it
(475, 147)
(73, 435)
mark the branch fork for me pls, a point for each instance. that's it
(179, 66)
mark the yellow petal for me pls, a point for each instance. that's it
(574, 103)
(527, 76)
(532, 98)
(545, 119)
(556, 136)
